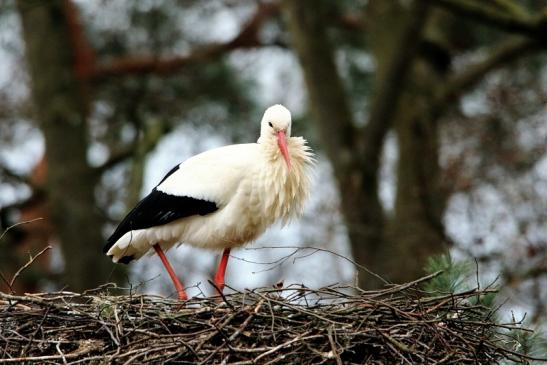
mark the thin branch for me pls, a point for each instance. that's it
(515, 277)
(511, 6)
(391, 86)
(315, 249)
(117, 157)
(247, 38)
(10, 174)
(83, 54)
(150, 140)
(333, 347)
(502, 55)
(48, 358)
(18, 224)
(38, 196)
(352, 22)
(25, 266)
(535, 272)
(511, 21)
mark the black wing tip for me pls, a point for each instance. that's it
(126, 259)
(169, 173)
(109, 243)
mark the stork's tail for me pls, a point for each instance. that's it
(131, 246)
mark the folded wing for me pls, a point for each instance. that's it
(159, 208)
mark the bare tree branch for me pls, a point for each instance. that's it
(297, 249)
(512, 18)
(352, 22)
(499, 57)
(247, 38)
(25, 266)
(149, 141)
(83, 54)
(18, 224)
(511, 6)
(536, 272)
(117, 156)
(391, 86)
(514, 278)
(10, 174)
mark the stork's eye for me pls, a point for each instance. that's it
(270, 124)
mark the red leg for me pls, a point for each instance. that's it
(180, 289)
(221, 271)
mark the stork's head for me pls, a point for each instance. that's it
(276, 128)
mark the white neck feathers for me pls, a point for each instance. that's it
(285, 191)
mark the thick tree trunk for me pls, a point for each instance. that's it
(415, 231)
(355, 152)
(61, 111)
(355, 175)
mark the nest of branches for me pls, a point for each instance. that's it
(333, 325)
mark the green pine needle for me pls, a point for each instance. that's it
(454, 277)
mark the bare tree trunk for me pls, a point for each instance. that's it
(61, 111)
(355, 152)
(355, 175)
(416, 231)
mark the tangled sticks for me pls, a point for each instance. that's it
(267, 326)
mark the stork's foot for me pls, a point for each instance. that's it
(221, 272)
(219, 283)
(181, 293)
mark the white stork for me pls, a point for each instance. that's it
(221, 198)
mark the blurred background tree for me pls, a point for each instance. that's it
(428, 117)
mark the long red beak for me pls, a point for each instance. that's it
(282, 143)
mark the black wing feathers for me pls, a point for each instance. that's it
(171, 172)
(159, 208)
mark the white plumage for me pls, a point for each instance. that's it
(223, 197)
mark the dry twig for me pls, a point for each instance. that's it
(25, 266)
